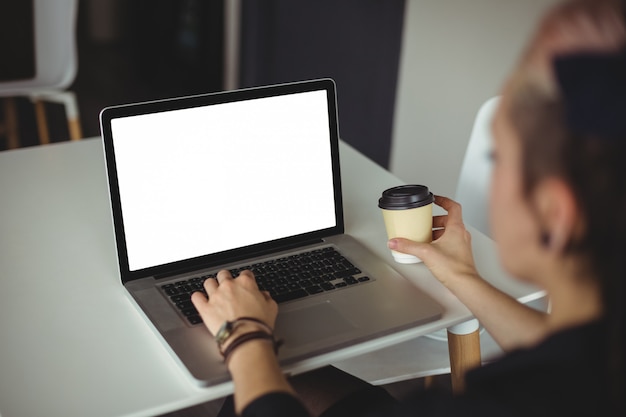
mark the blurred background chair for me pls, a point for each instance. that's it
(39, 61)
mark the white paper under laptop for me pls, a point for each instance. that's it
(235, 180)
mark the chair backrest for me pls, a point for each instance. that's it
(54, 25)
(473, 186)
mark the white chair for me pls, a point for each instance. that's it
(472, 190)
(54, 25)
(430, 355)
(472, 193)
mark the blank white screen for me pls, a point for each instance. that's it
(203, 180)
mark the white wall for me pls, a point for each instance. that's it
(455, 55)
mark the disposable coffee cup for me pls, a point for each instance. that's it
(408, 213)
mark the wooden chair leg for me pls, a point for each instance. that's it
(76, 132)
(464, 351)
(429, 381)
(68, 99)
(11, 129)
(42, 122)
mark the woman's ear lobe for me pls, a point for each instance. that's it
(557, 212)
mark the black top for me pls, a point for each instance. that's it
(563, 376)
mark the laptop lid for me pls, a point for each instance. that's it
(189, 183)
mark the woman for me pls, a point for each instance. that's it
(558, 204)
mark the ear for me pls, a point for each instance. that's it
(557, 212)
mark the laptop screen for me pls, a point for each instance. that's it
(213, 178)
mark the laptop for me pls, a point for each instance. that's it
(246, 179)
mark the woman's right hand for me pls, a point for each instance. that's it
(229, 299)
(449, 256)
(253, 365)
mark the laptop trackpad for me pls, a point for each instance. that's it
(311, 324)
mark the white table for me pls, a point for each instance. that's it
(73, 344)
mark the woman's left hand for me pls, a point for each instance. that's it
(449, 257)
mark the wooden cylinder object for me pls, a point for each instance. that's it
(10, 120)
(42, 122)
(464, 351)
(74, 126)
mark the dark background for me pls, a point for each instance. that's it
(136, 50)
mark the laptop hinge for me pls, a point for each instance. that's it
(232, 259)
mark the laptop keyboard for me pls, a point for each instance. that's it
(288, 278)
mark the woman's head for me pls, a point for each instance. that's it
(551, 182)
(559, 186)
